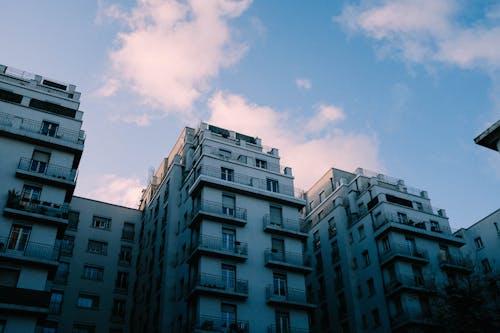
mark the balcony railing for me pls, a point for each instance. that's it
(219, 244)
(48, 170)
(15, 201)
(8, 121)
(454, 261)
(274, 167)
(410, 281)
(404, 250)
(25, 297)
(287, 329)
(221, 284)
(31, 250)
(287, 258)
(245, 179)
(218, 209)
(425, 225)
(287, 225)
(285, 295)
(405, 318)
(219, 324)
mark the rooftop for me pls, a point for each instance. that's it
(490, 138)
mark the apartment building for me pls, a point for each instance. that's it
(92, 287)
(220, 245)
(490, 138)
(379, 251)
(41, 143)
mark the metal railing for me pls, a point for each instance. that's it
(213, 151)
(245, 179)
(220, 324)
(49, 170)
(220, 283)
(410, 281)
(29, 250)
(403, 250)
(450, 260)
(284, 224)
(219, 244)
(33, 126)
(217, 208)
(46, 208)
(287, 329)
(290, 258)
(393, 218)
(285, 294)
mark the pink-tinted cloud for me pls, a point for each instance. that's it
(117, 190)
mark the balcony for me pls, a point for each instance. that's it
(286, 227)
(288, 297)
(213, 151)
(404, 252)
(219, 286)
(32, 209)
(411, 283)
(20, 299)
(32, 251)
(216, 211)
(218, 247)
(455, 262)
(206, 324)
(293, 261)
(276, 329)
(38, 132)
(46, 173)
(243, 183)
(406, 318)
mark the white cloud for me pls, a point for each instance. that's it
(117, 190)
(335, 148)
(326, 116)
(427, 31)
(172, 49)
(305, 84)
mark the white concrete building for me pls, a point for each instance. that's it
(221, 247)
(380, 251)
(41, 143)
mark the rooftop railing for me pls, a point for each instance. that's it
(50, 170)
(36, 127)
(221, 283)
(218, 208)
(33, 250)
(220, 324)
(220, 244)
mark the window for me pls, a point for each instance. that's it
(272, 185)
(30, 196)
(125, 256)
(316, 240)
(228, 239)
(228, 314)
(321, 196)
(73, 219)
(402, 218)
(278, 249)
(444, 252)
(45, 327)
(435, 226)
(376, 318)
(276, 215)
(332, 228)
(419, 205)
(479, 243)
(55, 305)
(228, 204)
(282, 322)
(83, 328)
(311, 205)
(320, 215)
(225, 154)
(279, 284)
(92, 273)
(19, 236)
(386, 245)
(260, 163)
(486, 266)
(97, 247)
(227, 174)
(48, 128)
(67, 244)
(366, 258)
(88, 301)
(335, 252)
(121, 280)
(39, 161)
(100, 222)
(62, 273)
(9, 277)
(339, 283)
(242, 159)
(371, 286)
(229, 277)
(319, 263)
(119, 308)
(128, 231)
(361, 232)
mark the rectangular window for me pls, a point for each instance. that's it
(366, 258)
(242, 159)
(100, 222)
(48, 128)
(121, 280)
(88, 301)
(19, 237)
(67, 245)
(435, 226)
(55, 305)
(125, 256)
(93, 273)
(371, 286)
(229, 277)
(386, 245)
(419, 205)
(282, 322)
(486, 266)
(39, 161)
(321, 196)
(128, 231)
(361, 232)
(228, 239)
(9, 277)
(62, 273)
(227, 174)
(225, 154)
(228, 314)
(316, 240)
(402, 218)
(278, 249)
(97, 247)
(479, 243)
(260, 163)
(332, 228)
(276, 215)
(119, 308)
(30, 197)
(228, 204)
(279, 284)
(272, 185)
(73, 219)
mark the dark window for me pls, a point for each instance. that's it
(88, 301)
(100, 222)
(67, 244)
(73, 219)
(10, 97)
(97, 247)
(56, 299)
(92, 273)
(52, 107)
(399, 201)
(128, 232)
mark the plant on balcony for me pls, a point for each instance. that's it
(13, 198)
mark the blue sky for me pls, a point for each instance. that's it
(400, 87)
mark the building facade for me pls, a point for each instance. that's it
(380, 251)
(221, 246)
(41, 143)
